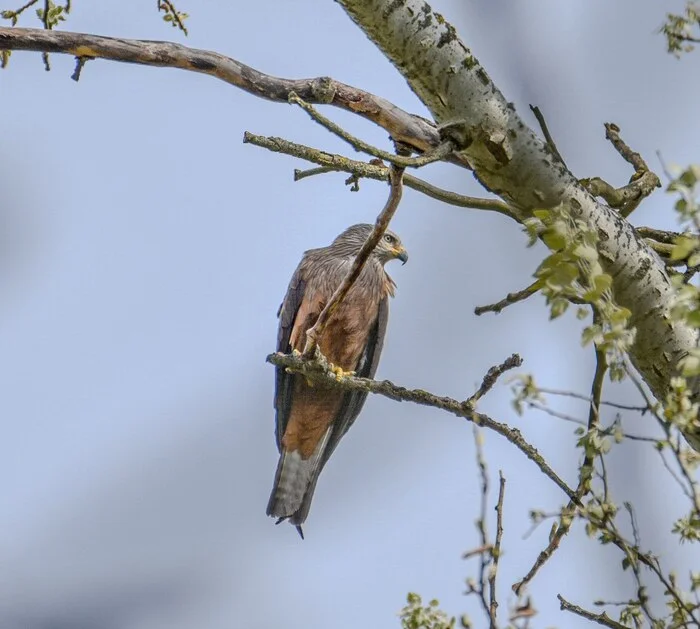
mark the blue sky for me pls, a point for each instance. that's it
(145, 252)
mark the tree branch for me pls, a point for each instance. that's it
(417, 132)
(547, 135)
(382, 223)
(331, 162)
(319, 371)
(601, 619)
(509, 299)
(440, 152)
(641, 185)
(496, 553)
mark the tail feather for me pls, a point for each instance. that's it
(295, 481)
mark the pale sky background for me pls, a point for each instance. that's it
(145, 251)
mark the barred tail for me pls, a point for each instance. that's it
(295, 481)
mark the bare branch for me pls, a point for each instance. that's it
(586, 398)
(484, 557)
(440, 152)
(319, 371)
(601, 619)
(547, 135)
(79, 65)
(496, 553)
(332, 162)
(510, 299)
(641, 185)
(382, 223)
(493, 374)
(415, 131)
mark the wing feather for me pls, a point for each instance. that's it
(352, 404)
(284, 382)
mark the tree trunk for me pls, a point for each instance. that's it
(512, 162)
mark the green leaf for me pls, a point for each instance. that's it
(683, 247)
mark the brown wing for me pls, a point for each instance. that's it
(284, 382)
(352, 404)
(353, 401)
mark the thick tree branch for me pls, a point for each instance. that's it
(415, 131)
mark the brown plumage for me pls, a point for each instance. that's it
(311, 420)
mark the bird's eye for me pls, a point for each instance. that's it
(389, 238)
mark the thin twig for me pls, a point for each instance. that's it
(79, 65)
(642, 183)
(635, 556)
(547, 135)
(496, 553)
(169, 8)
(461, 200)
(314, 333)
(484, 558)
(317, 370)
(510, 299)
(612, 133)
(303, 174)
(587, 398)
(493, 374)
(607, 431)
(440, 152)
(601, 619)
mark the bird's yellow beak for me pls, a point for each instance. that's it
(401, 254)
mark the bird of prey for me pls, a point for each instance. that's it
(312, 418)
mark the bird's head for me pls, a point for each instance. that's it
(388, 248)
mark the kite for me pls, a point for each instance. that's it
(312, 418)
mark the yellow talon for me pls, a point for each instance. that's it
(340, 373)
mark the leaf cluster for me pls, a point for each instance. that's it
(415, 615)
(572, 272)
(681, 30)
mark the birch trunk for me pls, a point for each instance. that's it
(511, 161)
